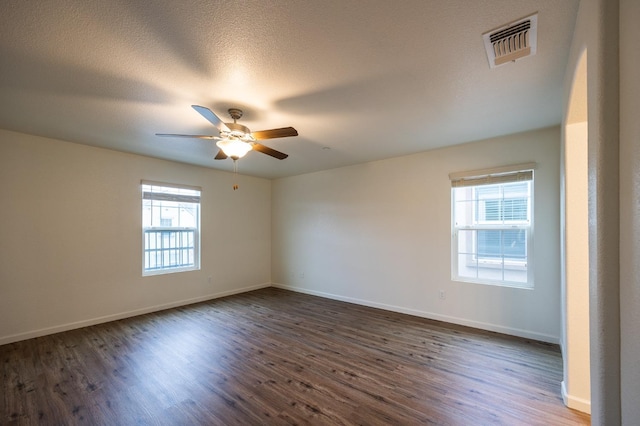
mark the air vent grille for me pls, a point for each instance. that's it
(512, 41)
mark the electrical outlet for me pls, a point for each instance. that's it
(442, 294)
(210, 279)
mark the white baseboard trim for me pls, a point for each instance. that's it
(429, 315)
(460, 321)
(107, 318)
(573, 402)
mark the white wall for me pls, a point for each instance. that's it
(596, 32)
(70, 236)
(576, 383)
(574, 174)
(379, 234)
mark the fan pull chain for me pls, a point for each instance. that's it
(235, 173)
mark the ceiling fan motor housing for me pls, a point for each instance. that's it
(238, 131)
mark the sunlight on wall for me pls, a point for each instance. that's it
(576, 384)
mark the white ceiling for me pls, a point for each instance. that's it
(367, 79)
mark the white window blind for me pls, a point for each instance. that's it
(496, 175)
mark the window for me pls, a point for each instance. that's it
(492, 227)
(170, 228)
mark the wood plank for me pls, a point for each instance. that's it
(278, 357)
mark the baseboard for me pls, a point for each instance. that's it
(430, 315)
(579, 404)
(460, 321)
(99, 320)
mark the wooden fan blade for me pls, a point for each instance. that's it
(269, 151)
(209, 115)
(173, 135)
(220, 156)
(275, 133)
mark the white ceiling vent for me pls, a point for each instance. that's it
(512, 41)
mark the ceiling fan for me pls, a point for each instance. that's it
(236, 140)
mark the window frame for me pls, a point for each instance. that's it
(173, 197)
(482, 178)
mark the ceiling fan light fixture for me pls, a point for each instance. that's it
(234, 148)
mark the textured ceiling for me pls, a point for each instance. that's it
(366, 79)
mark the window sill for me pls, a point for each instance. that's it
(521, 286)
(169, 271)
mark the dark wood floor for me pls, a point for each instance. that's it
(277, 357)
